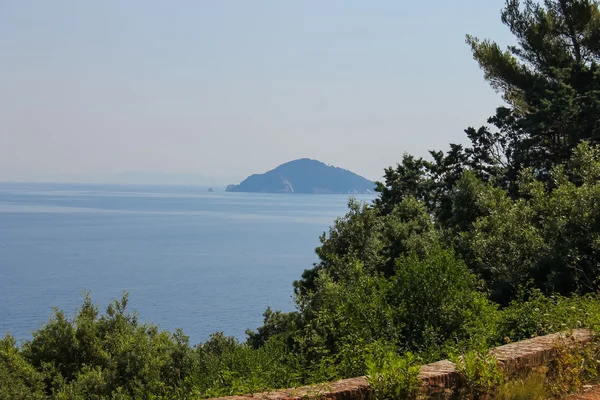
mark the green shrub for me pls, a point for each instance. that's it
(18, 378)
(438, 307)
(113, 356)
(479, 373)
(227, 367)
(534, 314)
(392, 376)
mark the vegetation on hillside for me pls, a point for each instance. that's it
(495, 241)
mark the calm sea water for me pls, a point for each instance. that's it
(190, 259)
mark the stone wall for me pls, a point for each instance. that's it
(514, 358)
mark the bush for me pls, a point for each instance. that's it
(479, 373)
(534, 314)
(391, 376)
(227, 367)
(19, 379)
(438, 307)
(113, 356)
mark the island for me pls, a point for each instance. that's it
(305, 175)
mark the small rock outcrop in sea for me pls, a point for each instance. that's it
(305, 176)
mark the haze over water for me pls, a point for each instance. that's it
(190, 259)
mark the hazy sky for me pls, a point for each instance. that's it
(228, 88)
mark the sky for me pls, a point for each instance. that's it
(224, 88)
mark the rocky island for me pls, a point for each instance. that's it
(305, 176)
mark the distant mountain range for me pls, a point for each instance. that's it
(305, 176)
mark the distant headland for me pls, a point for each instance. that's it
(305, 176)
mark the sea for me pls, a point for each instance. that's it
(201, 261)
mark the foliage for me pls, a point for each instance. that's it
(374, 240)
(343, 316)
(534, 314)
(547, 238)
(359, 308)
(275, 324)
(227, 367)
(571, 368)
(351, 237)
(96, 356)
(19, 379)
(393, 377)
(549, 79)
(479, 373)
(438, 306)
(516, 205)
(113, 356)
(550, 83)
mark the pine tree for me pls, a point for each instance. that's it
(550, 81)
